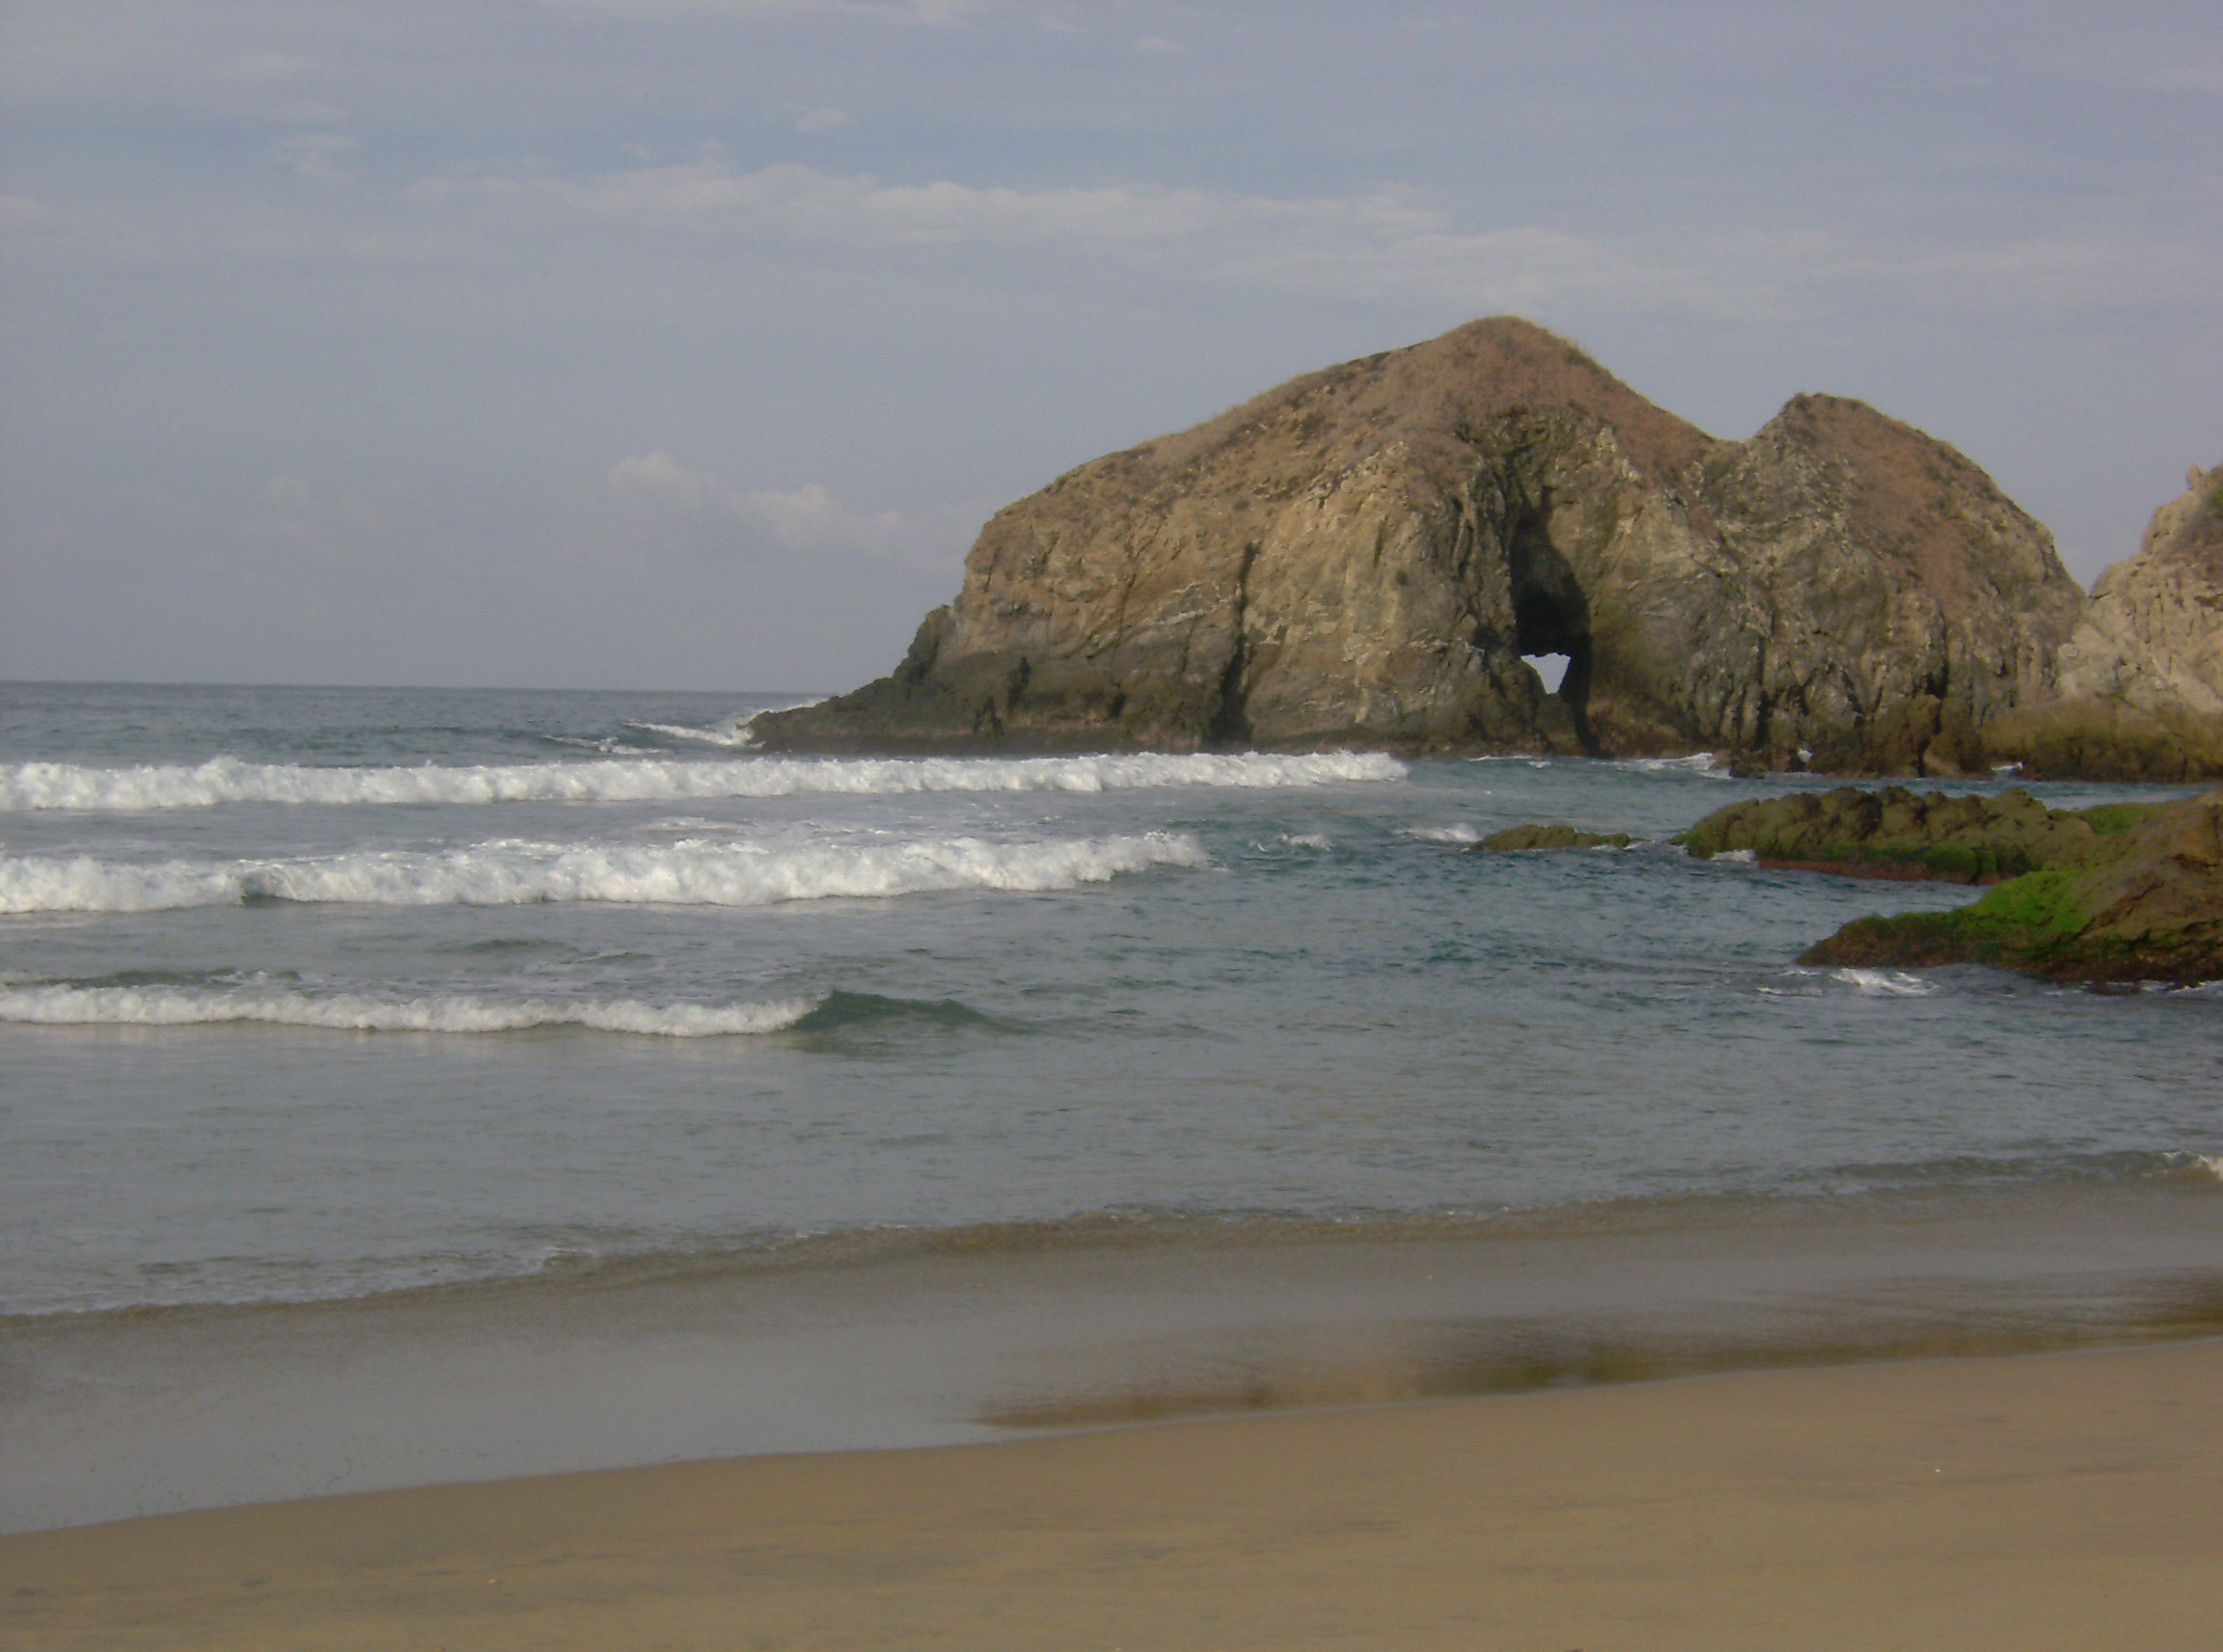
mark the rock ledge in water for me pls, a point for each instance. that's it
(2148, 905)
(1897, 833)
(1557, 835)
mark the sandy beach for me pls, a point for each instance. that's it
(2071, 1501)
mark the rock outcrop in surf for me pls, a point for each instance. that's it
(2147, 906)
(1363, 556)
(1895, 832)
(2120, 891)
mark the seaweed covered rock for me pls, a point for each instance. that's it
(2150, 908)
(1897, 833)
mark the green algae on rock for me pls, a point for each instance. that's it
(1901, 833)
(2146, 905)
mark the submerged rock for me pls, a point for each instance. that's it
(1364, 556)
(1557, 836)
(2151, 909)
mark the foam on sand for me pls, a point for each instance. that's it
(689, 872)
(228, 780)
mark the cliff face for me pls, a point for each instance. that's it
(1364, 555)
(2139, 690)
(2167, 601)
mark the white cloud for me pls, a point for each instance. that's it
(807, 518)
(937, 14)
(272, 68)
(19, 210)
(2201, 79)
(819, 120)
(793, 200)
(1387, 243)
(315, 155)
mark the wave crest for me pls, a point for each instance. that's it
(354, 1012)
(228, 780)
(692, 872)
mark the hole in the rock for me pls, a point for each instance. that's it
(1550, 616)
(1551, 667)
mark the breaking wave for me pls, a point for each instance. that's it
(354, 1012)
(733, 737)
(690, 872)
(1458, 832)
(1883, 983)
(229, 780)
(1697, 764)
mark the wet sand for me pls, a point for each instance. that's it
(2070, 1500)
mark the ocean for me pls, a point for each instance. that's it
(410, 1085)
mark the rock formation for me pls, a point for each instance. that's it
(2139, 693)
(1517, 839)
(2123, 891)
(1364, 555)
(2150, 908)
(1897, 833)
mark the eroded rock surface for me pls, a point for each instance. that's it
(1364, 555)
(2139, 694)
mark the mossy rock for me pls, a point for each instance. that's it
(2152, 910)
(1897, 833)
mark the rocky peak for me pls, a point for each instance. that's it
(1364, 555)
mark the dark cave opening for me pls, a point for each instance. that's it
(1550, 616)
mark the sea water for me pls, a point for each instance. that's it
(450, 1061)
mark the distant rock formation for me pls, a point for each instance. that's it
(1363, 556)
(2139, 692)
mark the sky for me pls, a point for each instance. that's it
(686, 343)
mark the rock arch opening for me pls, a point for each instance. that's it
(1550, 616)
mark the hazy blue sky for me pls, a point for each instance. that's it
(686, 343)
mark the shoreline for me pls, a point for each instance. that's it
(2050, 1500)
(969, 1336)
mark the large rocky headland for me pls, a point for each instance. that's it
(1364, 556)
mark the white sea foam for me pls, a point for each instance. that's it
(1883, 983)
(1458, 832)
(441, 1012)
(734, 738)
(689, 872)
(228, 780)
(1698, 762)
(1737, 857)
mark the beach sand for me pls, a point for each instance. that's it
(2070, 1500)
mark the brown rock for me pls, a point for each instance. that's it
(1364, 555)
(2151, 909)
